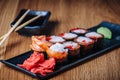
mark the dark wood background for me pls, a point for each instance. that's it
(66, 14)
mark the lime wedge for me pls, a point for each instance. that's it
(105, 31)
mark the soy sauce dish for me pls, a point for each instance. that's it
(35, 27)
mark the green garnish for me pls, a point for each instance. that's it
(105, 31)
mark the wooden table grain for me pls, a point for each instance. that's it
(66, 14)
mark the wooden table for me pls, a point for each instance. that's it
(66, 14)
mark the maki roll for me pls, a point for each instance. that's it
(68, 36)
(55, 39)
(58, 52)
(73, 49)
(39, 43)
(98, 39)
(85, 43)
(79, 31)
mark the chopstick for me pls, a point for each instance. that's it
(22, 25)
(26, 23)
(2, 37)
(12, 29)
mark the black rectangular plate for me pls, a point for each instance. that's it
(108, 45)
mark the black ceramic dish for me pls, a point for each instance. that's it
(108, 45)
(35, 27)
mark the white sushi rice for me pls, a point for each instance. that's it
(81, 39)
(69, 35)
(90, 34)
(79, 31)
(58, 47)
(56, 39)
(70, 43)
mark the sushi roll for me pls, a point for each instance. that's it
(39, 43)
(68, 36)
(85, 43)
(58, 52)
(79, 31)
(73, 49)
(55, 39)
(98, 39)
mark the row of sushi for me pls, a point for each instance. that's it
(76, 42)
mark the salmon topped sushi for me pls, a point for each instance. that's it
(73, 48)
(79, 31)
(58, 52)
(39, 43)
(97, 37)
(68, 36)
(55, 39)
(86, 44)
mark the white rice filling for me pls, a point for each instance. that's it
(69, 35)
(95, 34)
(70, 43)
(56, 39)
(59, 48)
(79, 31)
(82, 39)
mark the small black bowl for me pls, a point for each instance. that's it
(35, 27)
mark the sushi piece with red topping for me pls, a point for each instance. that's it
(68, 36)
(58, 52)
(86, 44)
(73, 49)
(79, 31)
(98, 39)
(55, 39)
